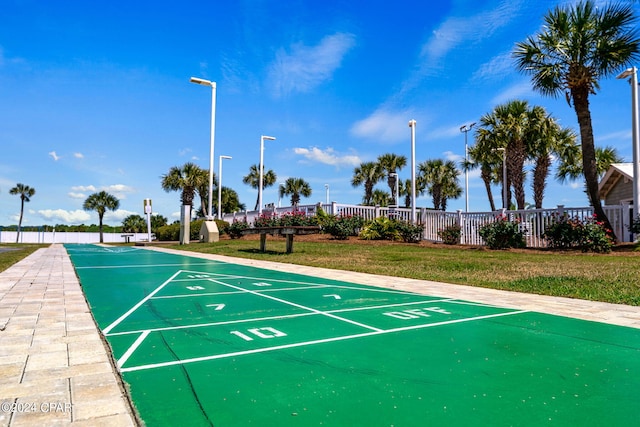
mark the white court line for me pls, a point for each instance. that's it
(299, 306)
(133, 348)
(135, 307)
(236, 292)
(326, 340)
(139, 266)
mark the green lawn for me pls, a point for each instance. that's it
(15, 253)
(613, 277)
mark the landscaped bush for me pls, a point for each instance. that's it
(450, 235)
(222, 226)
(381, 228)
(502, 234)
(235, 228)
(567, 233)
(410, 233)
(341, 227)
(168, 233)
(634, 227)
(296, 219)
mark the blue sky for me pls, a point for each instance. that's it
(96, 96)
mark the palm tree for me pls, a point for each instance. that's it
(440, 179)
(253, 179)
(100, 202)
(578, 45)
(202, 188)
(391, 163)
(295, 187)
(26, 193)
(230, 200)
(380, 197)
(186, 179)
(570, 168)
(369, 174)
(134, 224)
(157, 221)
(490, 169)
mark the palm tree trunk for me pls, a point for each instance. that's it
(540, 172)
(20, 221)
(589, 167)
(486, 178)
(100, 228)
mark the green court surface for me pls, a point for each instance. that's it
(202, 342)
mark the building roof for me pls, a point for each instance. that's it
(616, 172)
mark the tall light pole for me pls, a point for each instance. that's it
(326, 190)
(220, 185)
(504, 177)
(632, 74)
(262, 138)
(466, 129)
(213, 131)
(412, 125)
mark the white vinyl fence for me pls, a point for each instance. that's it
(532, 221)
(70, 237)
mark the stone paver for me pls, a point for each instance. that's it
(55, 368)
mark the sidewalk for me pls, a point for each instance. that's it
(55, 369)
(54, 366)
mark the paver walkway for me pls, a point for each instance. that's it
(56, 370)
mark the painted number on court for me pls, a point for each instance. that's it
(415, 313)
(195, 288)
(198, 276)
(262, 284)
(266, 333)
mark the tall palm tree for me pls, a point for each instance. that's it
(230, 200)
(578, 45)
(547, 138)
(570, 168)
(490, 167)
(202, 188)
(187, 179)
(367, 174)
(26, 193)
(440, 179)
(134, 224)
(295, 187)
(253, 179)
(101, 202)
(391, 163)
(380, 197)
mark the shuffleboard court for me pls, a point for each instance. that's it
(201, 342)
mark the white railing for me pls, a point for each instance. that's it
(70, 237)
(533, 221)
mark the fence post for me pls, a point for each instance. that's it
(463, 230)
(334, 208)
(376, 212)
(560, 210)
(626, 222)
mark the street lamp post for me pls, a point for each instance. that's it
(326, 190)
(466, 129)
(412, 125)
(632, 74)
(262, 138)
(213, 130)
(504, 177)
(220, 185)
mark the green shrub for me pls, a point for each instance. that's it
(450, 235)
(410, 233)
(588, 235)
(634, 227)
(341, 227)
(235, 228)
(502, 234)
(222, 226)
(168, 233)
(381, 228)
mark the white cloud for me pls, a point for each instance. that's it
(497, 67)
(76, 195)
(78, 155)
(68, 217)
(384, 126)
(328, 156)
(83, 188)
(54, 156)
(119, 190)
(520, 90)
(118, 216)
(306, 67)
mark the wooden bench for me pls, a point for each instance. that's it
(288, 231)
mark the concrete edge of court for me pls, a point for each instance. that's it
(615, 314)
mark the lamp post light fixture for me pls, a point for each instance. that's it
(466, 129)
(262, 138)
(412, 125)
(632, 75)
(204, 82)
(326, 191)
(504, 177)
(220, 185)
